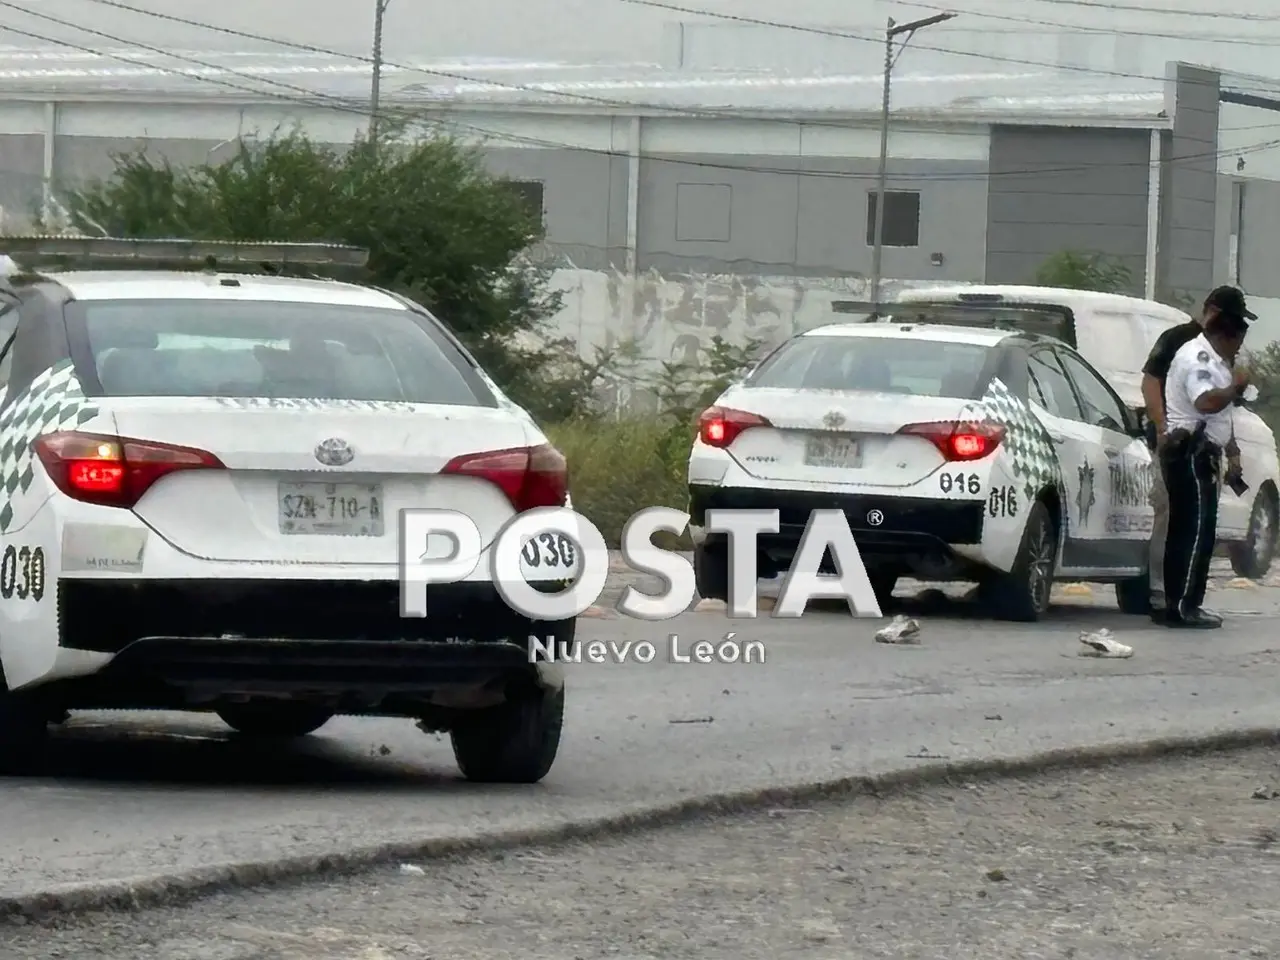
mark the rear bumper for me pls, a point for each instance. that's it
(318, 667)
(910, 528)
(106, 615)
(300, 637)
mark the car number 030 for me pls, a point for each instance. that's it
(969, 483)
(22, 573)
(549, 550)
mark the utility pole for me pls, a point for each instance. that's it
(375, 90)
(892, 32)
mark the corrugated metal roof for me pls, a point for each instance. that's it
(251, 75)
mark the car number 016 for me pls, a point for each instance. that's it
(969, 483)
(549, 550)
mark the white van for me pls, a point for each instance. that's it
(1115, 333)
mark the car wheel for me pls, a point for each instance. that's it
(1252, 556)
(1134, 595)
(512, 743)
(711, 572)
(278, 719)
(23, 732)
(1022, 594)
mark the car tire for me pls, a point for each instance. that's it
(516, 742)
(23, 732)
(1022, 594)
(1252, 556)
(711, 572)
(1133, 596)
(274, 719)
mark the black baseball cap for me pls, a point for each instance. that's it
(1229, 301)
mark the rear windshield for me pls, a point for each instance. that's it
(1046, 321)
(922, 368)
(221, 348)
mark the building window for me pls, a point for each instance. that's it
(901, 219)
(529, 192)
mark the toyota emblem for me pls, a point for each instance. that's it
(875, 518)
(335, 452)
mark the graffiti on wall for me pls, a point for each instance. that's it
(675, 317)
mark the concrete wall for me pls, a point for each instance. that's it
(791, 200)
(775, 198)
(1057, 188)
(1189, 183)
(675, 316)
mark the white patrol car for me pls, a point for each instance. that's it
(201, 477)
(1115, 333)
(936, 442)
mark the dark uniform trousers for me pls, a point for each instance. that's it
(1192, 470)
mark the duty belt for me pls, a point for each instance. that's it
(1183, 443)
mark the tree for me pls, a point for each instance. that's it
(438, 227)
(1083, 270)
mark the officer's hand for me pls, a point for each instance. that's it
(1161, 439)
(1240, 378)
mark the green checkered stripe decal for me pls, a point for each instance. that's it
(1034, 459)
(53, 401)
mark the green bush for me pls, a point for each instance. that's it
(617, 467)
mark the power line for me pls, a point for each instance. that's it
(612, 103)
(1108, 31)
(1166, 11)
(313, 99)
(827, 32)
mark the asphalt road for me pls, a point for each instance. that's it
(1171, 861)
(137, 795)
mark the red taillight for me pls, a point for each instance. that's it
(529, 476)
(959, 440)
(114, 471)
(720, 426)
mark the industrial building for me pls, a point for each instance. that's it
(649, 168)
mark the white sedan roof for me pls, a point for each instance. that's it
(181, 285)
(919, 331)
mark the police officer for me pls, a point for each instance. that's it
(1225, 299)
(1200, 389)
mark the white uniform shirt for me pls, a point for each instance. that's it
(1197, 369)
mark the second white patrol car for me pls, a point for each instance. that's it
(201, 476)
(937, 443)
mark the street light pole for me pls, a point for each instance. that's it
(892, 32)
(375, 90)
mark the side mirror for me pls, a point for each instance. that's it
(1138, 424)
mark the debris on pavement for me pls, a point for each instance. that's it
(1265, 793)
(925, 753)
(1077, 590)
(1100, 643)
(1241, 583)
(997, 875)
(411, 870)
(693, 720)
(901, 629)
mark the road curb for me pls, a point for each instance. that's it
(167, 890)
